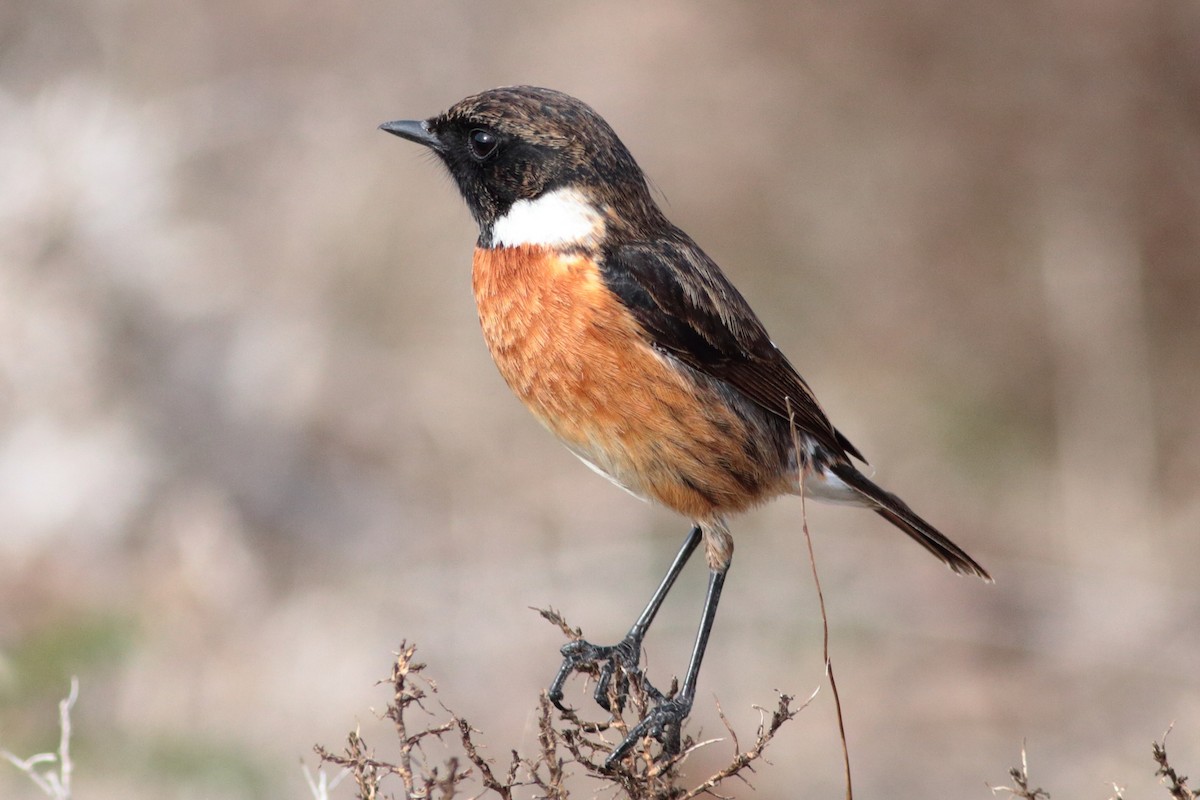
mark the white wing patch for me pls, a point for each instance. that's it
(564, 216)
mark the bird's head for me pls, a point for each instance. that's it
(533, 148)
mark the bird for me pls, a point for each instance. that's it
(628, 342)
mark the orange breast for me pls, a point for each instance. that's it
(581, 363)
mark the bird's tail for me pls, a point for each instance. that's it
(897, 512)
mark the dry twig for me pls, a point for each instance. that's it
(1020, 778)
(564, 740)
(1176, 784)
(55, 784)
(812, 562)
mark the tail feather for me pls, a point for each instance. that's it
(897, 512)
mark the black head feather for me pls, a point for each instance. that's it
(521, 142)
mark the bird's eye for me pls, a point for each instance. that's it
(482, 143)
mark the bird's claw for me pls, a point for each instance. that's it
(619, 659)
(664, 724)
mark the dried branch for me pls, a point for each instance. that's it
(53, 783)
(1020, 778)
(1176, 784)
(744, 760)
(564, 741)
(812, 562)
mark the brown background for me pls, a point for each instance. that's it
(250, 437)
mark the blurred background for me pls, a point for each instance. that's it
(250, 438)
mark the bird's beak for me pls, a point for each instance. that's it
(415, 130)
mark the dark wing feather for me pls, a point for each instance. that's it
(897, 512)
(690, 310)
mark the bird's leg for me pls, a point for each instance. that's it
(625, 653)
(666, 720)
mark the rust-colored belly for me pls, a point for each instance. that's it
(580, 362)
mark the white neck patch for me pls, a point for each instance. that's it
(563, 216)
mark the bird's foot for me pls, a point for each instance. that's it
(664, 723)
(604, 661)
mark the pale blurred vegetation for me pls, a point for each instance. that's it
(250, 438)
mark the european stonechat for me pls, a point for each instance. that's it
(630, 345)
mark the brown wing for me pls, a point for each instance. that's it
(690, 310)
